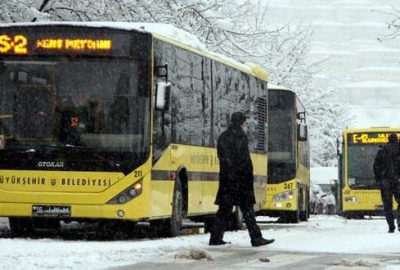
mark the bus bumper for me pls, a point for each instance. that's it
(74, 211)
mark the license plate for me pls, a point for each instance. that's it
(51, 210)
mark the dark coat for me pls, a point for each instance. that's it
(386, 165)
(236, 169)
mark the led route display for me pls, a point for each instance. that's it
(369, 138)
(20, 44)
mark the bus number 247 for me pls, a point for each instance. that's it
(288, 185)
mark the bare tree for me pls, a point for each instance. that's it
(393, 24)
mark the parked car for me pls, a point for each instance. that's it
(322, 202)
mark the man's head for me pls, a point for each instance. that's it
(238, 119)
(393, 138)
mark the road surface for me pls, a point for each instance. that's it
(251, 258)
(324, 242)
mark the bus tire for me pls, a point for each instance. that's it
(353, 215)
(346, 215)
(21, 226)
(295, 216)
(304, 215)
(172, 226)
(176, 220)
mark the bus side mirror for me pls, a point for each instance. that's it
(302, 132)
(163, 90)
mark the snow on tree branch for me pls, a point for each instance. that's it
(393, 24)
(238, 29)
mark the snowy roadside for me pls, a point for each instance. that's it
(320, 234)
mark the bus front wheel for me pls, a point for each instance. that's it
(293, 217)
(305, 215)
(172, 226)
(353, 215)
(296, 215)
(176, 220)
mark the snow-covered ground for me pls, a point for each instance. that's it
(321, 234)
(363, 71)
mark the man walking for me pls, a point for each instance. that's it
(235, 182)
(386, 169)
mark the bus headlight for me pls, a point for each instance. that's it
(287, 195)
(128, 194)
(351, 199)
(132, 192)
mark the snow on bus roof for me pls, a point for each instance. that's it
(278, 87)
(157, 29)
(165, 30)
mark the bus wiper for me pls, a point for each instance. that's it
(366, 186)
(359, 185)
(36, 148)
(56, 146)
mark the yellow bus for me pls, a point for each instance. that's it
(117, 122)
(288, 158)
(358, 192)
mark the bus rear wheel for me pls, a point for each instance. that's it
(353, 215)
(293, 217)
(21, 226)
(305, 215)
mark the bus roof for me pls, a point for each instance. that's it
(283, 88)
(371, 129)
(166, 33)
(279, 87)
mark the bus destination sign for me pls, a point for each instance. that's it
(369, 138)
(20, 44)
(65, 41)
(73, 44)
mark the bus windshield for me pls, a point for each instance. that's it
(281, 144)
(98, 107)
(360, 166)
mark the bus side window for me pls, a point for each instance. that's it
(261, 133)
(162, 118)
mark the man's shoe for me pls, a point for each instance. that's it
(391, 229)
(218, 243)
(261, 242)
